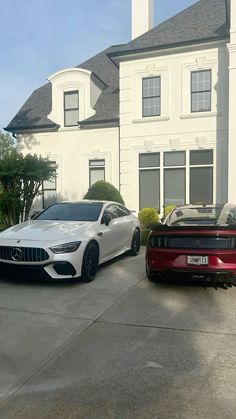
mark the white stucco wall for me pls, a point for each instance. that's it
(177, 128)
(72, 149)
(232, 105)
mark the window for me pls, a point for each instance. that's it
(201, 176)
(112, 210)
(201, 91)
(122, 211)
(96, 171)
(151, 96)
(149, 180)
(174, 178)
(49, 191)
(71, 108)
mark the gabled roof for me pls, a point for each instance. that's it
(205, 21)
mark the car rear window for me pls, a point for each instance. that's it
(220, 215)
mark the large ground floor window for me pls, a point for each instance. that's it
(175, 178)
(49, 191)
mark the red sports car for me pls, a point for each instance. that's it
(197, 241)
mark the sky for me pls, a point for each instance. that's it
(40, 37)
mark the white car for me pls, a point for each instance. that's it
(69, 240)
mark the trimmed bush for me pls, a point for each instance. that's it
(148, 217)
(168, 209)
(102, 190)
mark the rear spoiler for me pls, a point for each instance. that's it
(169, 228)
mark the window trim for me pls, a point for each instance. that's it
(201, 91)
(150, 97)
(70, 109)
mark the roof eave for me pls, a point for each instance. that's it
(32, 128)
(119, 55)
(99, 123)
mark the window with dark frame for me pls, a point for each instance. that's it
(151, 96)
(201, 176)
(71, 108)
(201, 91)
(49, 190)
(175, 171)
(96, 171)
(149, 180)
(174, 178)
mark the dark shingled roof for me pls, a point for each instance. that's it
(204, 21)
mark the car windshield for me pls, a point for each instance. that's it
(203, 215)
(72, 212)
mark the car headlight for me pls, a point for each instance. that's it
(66, 247)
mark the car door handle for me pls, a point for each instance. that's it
(100, 234)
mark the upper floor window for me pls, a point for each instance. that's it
(96, 171)
(151, 96)
(201, 91)
(71, 108)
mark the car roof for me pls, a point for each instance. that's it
(90, 201)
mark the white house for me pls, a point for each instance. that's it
(155, 116)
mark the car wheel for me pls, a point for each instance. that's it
(135, 245)
(150, 274)
(90, 262)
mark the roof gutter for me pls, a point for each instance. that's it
(31, 128)
(103, 122)
(125, 53)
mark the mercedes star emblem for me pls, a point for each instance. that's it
(16, 254)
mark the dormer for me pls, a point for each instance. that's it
(74, 95)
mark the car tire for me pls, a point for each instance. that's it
(151, 276)
(90, 262)
(135, 244)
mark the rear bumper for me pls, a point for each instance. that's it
(214, 276)
(172, 262)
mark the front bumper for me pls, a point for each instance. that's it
(50, 271)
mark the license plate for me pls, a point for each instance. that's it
(197, 260)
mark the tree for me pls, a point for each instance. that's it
(104, 191)
(21, 179)
(7, 144)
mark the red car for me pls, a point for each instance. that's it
(197, 241)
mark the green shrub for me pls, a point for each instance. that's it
(147, 217)
(144, 236)
(168, 209)
(104, 191)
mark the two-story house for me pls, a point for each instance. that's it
(155, 116)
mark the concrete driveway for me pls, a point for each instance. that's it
(119, 347)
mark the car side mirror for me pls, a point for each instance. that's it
(107, 218)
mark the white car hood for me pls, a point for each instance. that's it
(48, 231)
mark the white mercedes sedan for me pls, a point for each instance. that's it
(68, 240)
